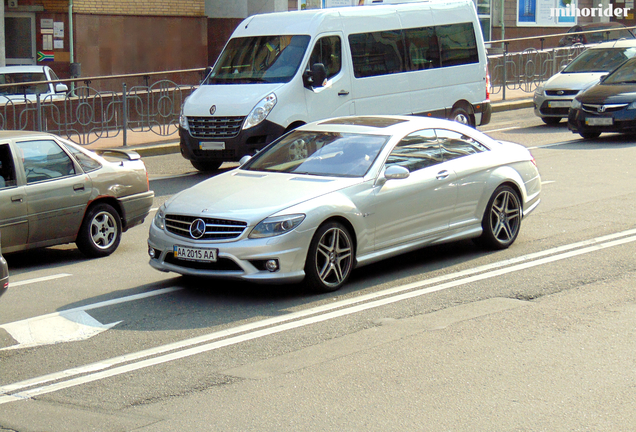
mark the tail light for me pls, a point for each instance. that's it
(487, 84)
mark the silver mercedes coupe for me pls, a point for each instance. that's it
(341, 193)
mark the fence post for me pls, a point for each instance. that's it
(505, 73)
(124, 113)
(39, 111)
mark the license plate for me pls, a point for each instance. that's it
(211, 145)
(559, 104)
(599, 121)
(195, 254)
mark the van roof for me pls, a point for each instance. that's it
(310, 21)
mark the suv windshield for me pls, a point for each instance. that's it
(22, 77)
(272, 59)
(600, 60)
(320, 153)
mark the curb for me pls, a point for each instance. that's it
(512, 105)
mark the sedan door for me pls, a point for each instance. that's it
(421, 205)
(57, 192)
(14, 227)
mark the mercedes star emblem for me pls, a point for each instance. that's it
(197, 228)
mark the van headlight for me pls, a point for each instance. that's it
(277, 225)
(260, 111)
(160, 217)
(183, 120)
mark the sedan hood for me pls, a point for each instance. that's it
(252, 196)
(609, 93)
(573, 81)
(235, 100)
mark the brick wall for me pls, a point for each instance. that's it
(139, 7)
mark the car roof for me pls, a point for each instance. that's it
(22, 69)
(621, 43)
(17, 134)
(605, 25)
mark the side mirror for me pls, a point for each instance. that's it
(396, 172)
(602, 78)
(61, 88)
(316, 77)
(244, 160)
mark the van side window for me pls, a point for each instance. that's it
(377, 53)
(422, 48)
(454, 145)
(328, 51)
(416, 151)
(457, 44)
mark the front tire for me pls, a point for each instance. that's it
(100, 233)
(590, 135)
(330, 258)
(551, 120)
(502, 219)
(206, 166)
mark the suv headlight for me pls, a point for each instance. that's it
(260, 111)
(631, 106)
(160, 217)
(277, 225)
(576, 104)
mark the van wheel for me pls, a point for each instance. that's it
(205, 166)
(460, 115)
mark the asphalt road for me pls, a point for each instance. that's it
(537, 337)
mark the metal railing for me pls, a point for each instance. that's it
(151, 102)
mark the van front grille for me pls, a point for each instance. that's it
(215, 127)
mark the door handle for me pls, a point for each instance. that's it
(343, 93)
(442, 175)
(16, 199)
(78, 187)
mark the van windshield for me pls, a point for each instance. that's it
(247, 60)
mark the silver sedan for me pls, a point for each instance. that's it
(342, 193)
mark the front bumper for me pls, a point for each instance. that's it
(246, 142)
(622, 121)
(552, 106)
(240, 259)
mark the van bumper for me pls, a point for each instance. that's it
(483, 112)
(245, 143)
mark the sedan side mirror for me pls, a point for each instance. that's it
(395, 172)
(61, 88)
(244, 160)
(602, 78)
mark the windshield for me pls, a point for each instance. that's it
(606, 34)
(600, 60)
(272, 59)
(320, 153)
(16, 78)
(625, 74)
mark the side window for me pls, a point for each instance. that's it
(328, 51)
(378, 53)
(457, 44)
(44, 160)
(416, 151)
(454, 145)
(422, 48)
(7, 169)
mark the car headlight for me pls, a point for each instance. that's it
(160, 217)
(631, 106)
(538, 92)
(576, 104)
(260, 111)
(277, 225)
(183, 120)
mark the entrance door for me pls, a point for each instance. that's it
(19, 30)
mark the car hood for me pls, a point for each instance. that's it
(573, 81)
(609, 93)
(252, 196)
(230, 100)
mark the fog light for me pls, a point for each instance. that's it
(151, 252)
(271, 265)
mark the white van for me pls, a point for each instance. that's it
(285, 69)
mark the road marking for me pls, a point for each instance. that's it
(40, 279)
(502, 129)
(182, 349)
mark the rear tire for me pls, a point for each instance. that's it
(551, 120)
(100, 233)
(460, 115)
(502, 219)
(330, 258)
(206, 166)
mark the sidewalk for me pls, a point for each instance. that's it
(150, 144)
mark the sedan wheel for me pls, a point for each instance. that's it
(551, 120)
(330, 258)
(502, 219)
(590, 135)
(100, 232)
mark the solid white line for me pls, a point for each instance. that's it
(564, 252)
(501, 129)
(40, 279)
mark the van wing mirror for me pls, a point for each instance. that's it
(316, 76)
